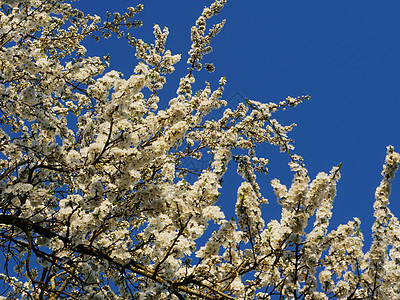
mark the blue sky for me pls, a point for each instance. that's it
(345, 54)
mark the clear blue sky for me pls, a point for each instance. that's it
(345, 54)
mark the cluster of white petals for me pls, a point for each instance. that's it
(97, 202)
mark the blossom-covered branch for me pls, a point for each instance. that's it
(95, 198)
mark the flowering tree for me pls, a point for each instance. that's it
(95, 201)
